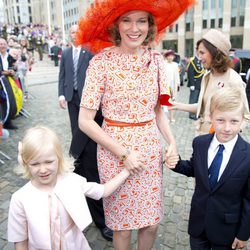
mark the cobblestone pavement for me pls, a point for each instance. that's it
(44, 109)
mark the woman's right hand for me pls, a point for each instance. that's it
(134, 163)
(173, 106)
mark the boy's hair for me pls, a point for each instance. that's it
(39, 140)
(228, 99)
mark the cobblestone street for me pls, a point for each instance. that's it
(44, 109)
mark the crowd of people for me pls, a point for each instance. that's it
(18, 45)
(115, 86)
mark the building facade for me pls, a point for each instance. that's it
(17, 11)
(230, 16)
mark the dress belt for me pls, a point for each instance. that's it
(125, 124)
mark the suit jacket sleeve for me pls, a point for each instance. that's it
(62, 75)
(244, 229)
(185, 167)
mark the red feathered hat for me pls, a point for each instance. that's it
(93, 27)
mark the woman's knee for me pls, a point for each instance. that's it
(150, 229)
(124, 234)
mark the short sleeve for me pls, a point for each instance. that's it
(94, 83)
(17, 223)
(163, 85)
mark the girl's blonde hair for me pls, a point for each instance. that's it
(39, 140)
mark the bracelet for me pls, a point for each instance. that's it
(124, 156)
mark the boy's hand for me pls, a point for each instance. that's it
(239, 244)
(172, 157)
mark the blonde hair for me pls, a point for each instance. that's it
(38, 140)
(228, 99)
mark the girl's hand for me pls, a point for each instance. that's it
(134, 163)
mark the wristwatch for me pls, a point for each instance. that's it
(124, 156)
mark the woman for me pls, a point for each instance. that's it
(127, 81)
(213, 51)
(26, 55)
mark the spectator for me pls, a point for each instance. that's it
(56, 51)
(195, 72)
(73, 66)
(213, 51)
(237, 64)
(173, 79)
(6, 69)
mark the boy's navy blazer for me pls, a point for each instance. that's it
(224, 211)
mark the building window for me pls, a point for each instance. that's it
(212, 23)
(29, 10)
(189, 19)
(189, 47)
(170, 44)
(238, 12)
(30, 19)
(19, 19)
(17, 9)
(204, 24)
(233, 21)
(237, 41)
(176, 28)
(220, 22)
(242, 19)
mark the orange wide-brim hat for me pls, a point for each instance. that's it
(93, 27)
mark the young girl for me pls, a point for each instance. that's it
(50, 211)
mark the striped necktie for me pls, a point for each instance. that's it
(75, 62)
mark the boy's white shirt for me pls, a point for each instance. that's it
(213, 148)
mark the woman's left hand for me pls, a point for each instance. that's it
(134, 163)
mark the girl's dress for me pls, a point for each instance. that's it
(53, 220)
(128, 87)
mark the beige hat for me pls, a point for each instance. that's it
(219, 40)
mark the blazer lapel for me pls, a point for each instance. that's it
(70, 58)
(237, 157)
(204, 145)
(80, 59)
(202, 91)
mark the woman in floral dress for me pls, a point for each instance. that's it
(128, 82)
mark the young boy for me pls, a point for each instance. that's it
(220, 208)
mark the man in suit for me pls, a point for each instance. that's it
(219, 216)
(73, 66)
(195, 72)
